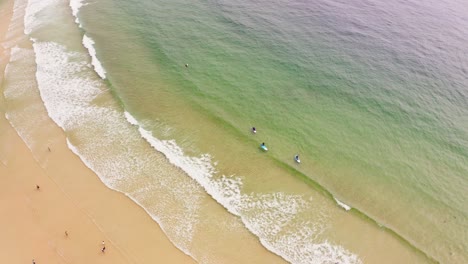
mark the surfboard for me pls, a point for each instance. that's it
(263, 147)
(297, 159)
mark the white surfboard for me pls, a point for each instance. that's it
(297, 159)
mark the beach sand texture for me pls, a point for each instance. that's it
(124, 158)
(71, 198)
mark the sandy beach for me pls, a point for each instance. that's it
(87, 210)
(66, 219)
(114, 150)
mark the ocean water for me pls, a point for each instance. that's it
(372, 96)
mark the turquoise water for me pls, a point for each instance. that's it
(372, 96)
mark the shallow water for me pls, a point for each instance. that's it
(372, 96)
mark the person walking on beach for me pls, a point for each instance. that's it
(33, 262)
(103, 250)
(38, 187)
(66, 233)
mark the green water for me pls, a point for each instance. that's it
(372, 96)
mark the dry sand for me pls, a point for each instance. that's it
(71, 198)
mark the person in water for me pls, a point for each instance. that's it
(296, 157)
(263, 144)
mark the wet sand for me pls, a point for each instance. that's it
(71, 199)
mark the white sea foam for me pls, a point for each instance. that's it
(34, 16)
(68, 89)
(89, 44)
(130, 118)
(184, 223)
(345, 206)
(269, 216)
(199, 168)
(68, 97)
(75, 6)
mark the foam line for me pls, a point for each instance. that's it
(88, 164)
(32, 18)
(273, 212)
(68, 90)
(89, 44)
(345, 206)
(75, 5)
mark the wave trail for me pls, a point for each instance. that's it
(89, 44)
(75, 6)
(345, 206)
(271, 217)
(69, 90)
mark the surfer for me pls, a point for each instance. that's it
(254, 130)
(296, 158)
(263, 144)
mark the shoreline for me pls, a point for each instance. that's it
(89, 214)
(55, 161)
(71, 199)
